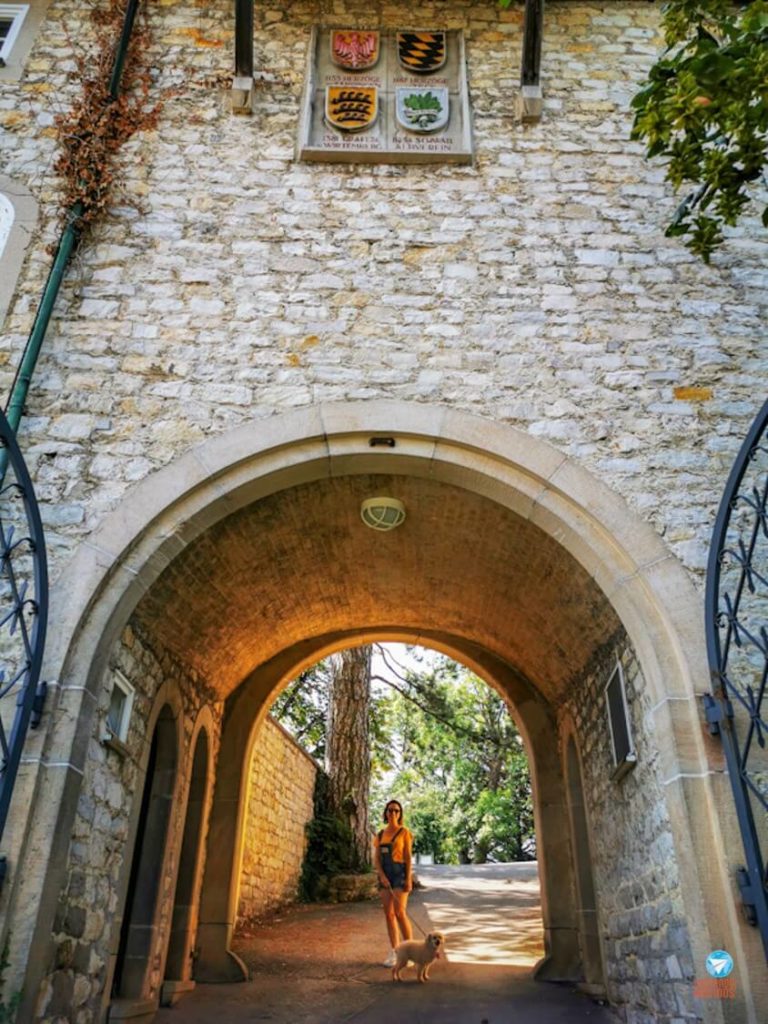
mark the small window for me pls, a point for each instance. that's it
(624, 756)
(18, 217)
(11, 18)
(120, 707)
(7, 217)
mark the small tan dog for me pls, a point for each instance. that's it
(420, 953)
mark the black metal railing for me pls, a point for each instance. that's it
(737, 647)
(23, 614)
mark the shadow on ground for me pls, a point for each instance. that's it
(321, 964)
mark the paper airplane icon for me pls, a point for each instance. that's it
(720, 966)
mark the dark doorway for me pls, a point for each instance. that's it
(184, 924)
(585, 886)
(137, 933)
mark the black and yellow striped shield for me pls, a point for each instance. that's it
(351, 108)
(421, 51)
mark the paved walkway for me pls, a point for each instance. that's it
(320, 964)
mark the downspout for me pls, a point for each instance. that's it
(67, 244)
(68, 241)
(122, 48)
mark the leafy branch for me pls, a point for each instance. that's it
(421, 698)
(704, 110)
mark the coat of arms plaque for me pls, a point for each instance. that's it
(379, 95)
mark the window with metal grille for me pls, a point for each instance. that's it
(120, 708)
(624, 756)
(11, 18)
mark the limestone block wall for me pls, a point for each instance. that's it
(642, 922)
(230, 283)
(83, 931)
(282, 782)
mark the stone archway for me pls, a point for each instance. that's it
(510, 483)
(246, 711)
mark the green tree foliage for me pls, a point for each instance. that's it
(443, 742)
(458, 766)
(302, 708)
(704, 110)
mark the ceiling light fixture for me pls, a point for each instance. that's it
(382, 513)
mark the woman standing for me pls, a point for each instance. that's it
(393, 864)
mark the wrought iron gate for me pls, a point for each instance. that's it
(23, 613)
(737, 647)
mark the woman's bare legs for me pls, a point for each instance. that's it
(390, 913)
(400, 900)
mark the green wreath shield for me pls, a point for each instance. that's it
(422, 110)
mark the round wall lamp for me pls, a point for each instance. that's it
(382, 513)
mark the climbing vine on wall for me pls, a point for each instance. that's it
(104, 117)
(329, 846)
(8, 1009)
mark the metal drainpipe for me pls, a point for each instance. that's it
(70, 236)
(67, 243)
(122, 47)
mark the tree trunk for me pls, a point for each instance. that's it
(348, 755)
(482, 849)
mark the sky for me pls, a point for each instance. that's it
(399, 653)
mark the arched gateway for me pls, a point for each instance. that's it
(221, 576)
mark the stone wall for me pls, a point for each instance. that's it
(83, 931)
(230, 283)
(282, 783)
(644, 935)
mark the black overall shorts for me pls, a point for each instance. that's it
(394, 870)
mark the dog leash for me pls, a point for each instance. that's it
(413, 919)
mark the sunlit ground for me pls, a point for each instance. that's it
(490, 913)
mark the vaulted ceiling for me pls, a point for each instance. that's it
(301, 564)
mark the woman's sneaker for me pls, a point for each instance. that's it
(391, 959)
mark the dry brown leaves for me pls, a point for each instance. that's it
(94, 130)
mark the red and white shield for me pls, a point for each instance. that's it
(354, 51)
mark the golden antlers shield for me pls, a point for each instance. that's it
(354, 51)
(421, 51)
(351, 109)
